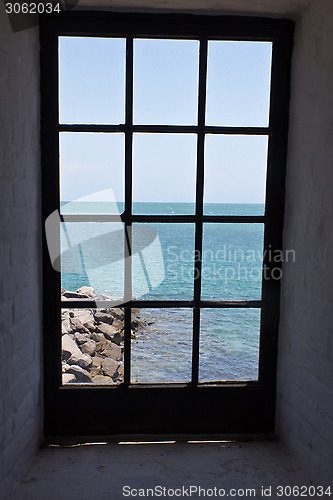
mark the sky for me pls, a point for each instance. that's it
(92, 91)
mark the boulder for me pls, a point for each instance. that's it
(103, 317)
(91, 327)
(81, 375)
(72, 354)
(116, 312)
(81, 338)
(78, 326)
(86, 290)
(68, 378)
(120, 373)
(109, 367)
(113, 351)
(107, 330)
(119, 325)
(80, 359)
(96, 367)
(88, 347)
(118, 338)
(84, 315)
(74, 295)
(100, 339)
(102, 297)
(102, 380)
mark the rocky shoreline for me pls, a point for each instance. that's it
(93, 340)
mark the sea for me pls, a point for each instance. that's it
(163, 258)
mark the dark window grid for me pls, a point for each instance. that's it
(198, 219)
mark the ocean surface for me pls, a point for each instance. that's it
(163, 269)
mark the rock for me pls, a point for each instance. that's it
(102, 380)
(78, 326)
(135, 324)
(80, 359)
(65, 367)
(119, 325)
(100, 340)
(68, 378)
(84, 315)
(81, 338)
(118, 338)
(72, 354)
(65, 326)
(102, 297)
(96, 367)
(109, 367)
(81, 375)
(88, 347)
(113, 351)
(116, 312)
(103, 317)
(120, 372)
(108, 330)
(74, 295)
(91, 327)
(86, 290)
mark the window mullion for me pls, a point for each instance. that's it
(128, 210)
(199, 207)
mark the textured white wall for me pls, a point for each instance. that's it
(20, 323)
(305, 373)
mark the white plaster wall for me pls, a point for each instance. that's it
(20, 318)
(305, 372)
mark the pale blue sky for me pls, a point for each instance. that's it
(92, 82)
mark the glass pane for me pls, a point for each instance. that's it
(235, 175)
(92, 254)
(162, 348)
(229, 344)
(163, 269)
(92, 346)
(238, 83)
(164, 173)
(92, 173)
(91, 80)
(166, 81)
(232, 261)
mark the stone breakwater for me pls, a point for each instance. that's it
(93, 340)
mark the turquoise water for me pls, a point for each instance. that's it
(163, 269)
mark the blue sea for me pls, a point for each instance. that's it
(163, 269)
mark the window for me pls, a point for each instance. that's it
(171, 189)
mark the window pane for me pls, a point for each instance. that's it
(162, 349)
(166, 81)
(164, 173)
(92, 254)
(92, 173)
(229, 344)
(91, 80)
(164, 270)
(235, 175)
(92, 346)
(232, 261)
(238, 83)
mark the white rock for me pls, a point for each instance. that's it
(81, 375)
(67, 378)
(86, 290)
(72, 353)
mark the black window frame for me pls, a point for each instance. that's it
(205, 408)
